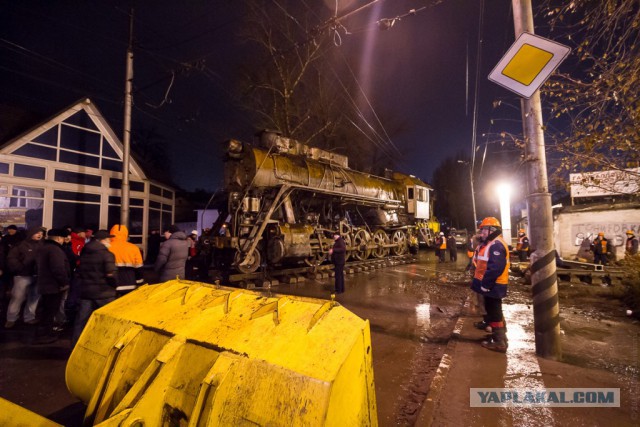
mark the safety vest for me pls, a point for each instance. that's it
(481, 259)
(520, 244)
(443, 243)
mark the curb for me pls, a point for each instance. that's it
(428, 410)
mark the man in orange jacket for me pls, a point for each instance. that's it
(128, 260)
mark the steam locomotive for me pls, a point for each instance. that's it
(283, 201)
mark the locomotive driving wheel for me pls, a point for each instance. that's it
(360, 241)
(380, 238)
(316, 259)
(399, 239)
(347, 241)
(252, 264)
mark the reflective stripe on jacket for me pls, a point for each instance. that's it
(492, 269)
(523, 243)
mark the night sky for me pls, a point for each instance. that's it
(57, 52)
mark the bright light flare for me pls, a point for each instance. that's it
(503, 190)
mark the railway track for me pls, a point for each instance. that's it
(266, 277)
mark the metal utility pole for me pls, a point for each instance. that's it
(126, 137)
(473, 198)
(546, 310)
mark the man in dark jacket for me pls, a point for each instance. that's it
(173, 255)
(338, 257)
(96, 276)
(8, 241)
(153, 247)
(21, 262)
(54, 275)
(452, 248)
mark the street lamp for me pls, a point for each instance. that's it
(473, 196)
(504, 196)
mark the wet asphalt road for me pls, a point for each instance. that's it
(412, 309)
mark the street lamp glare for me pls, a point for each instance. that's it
(503, 190)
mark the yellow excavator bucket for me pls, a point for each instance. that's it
(193, 354)
(17, 416)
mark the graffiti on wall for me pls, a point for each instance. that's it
(613, 231)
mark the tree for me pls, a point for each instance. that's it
(595, 109)
(453, 192)
(292, 84)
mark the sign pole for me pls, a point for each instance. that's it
(546, 310)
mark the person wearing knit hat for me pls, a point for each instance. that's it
(54, 279)
(96, 279)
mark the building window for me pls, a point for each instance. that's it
(76, 197)
(133, 185)
(20, 200)
(82, 140)
(155, 190)
(79, 159)
(108, 151)
(112, 165)
(135, 219)
(75, 214)
(27, 171)
(23, 208)
(49, 137)
(81, 119)
(36, 151)
(4, 168)
(78, 178)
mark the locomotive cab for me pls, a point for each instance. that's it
(418, 201)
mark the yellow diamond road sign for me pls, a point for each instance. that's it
(528, 64)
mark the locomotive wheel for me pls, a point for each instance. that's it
(347, 241)
(399, 239)
(316, 259)
(380, 238)
(253, 261)
(360, 241)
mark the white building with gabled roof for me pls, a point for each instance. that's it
(68, 171)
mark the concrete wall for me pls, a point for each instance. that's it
(570, 228)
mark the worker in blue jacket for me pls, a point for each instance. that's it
(490, 280)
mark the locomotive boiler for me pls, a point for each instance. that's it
(283, 200)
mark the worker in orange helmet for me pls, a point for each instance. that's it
(522, 247)
(490, 280)
(600, 248)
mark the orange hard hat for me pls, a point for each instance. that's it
(490, 222)
(630, 232)
(521, 230)
(601, 234)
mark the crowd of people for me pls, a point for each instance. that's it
(54, 279)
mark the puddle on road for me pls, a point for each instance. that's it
(523, 370)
